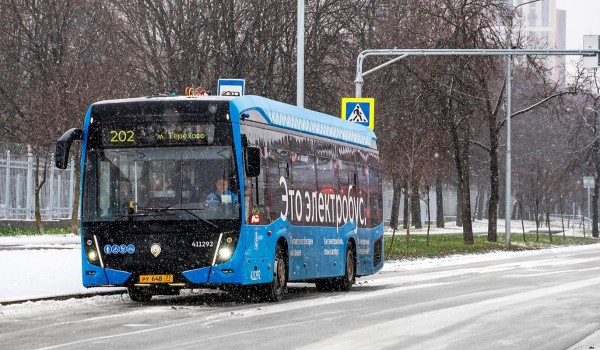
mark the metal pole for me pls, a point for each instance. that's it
(359, 81)
(597, 157)
(508, 195)
(300, 58)
(453, 52)
(358, 84)
(507, 202)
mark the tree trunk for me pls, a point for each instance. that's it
(459, 199)
(39, 183)
(406, 219)
(522, 223)
(493, 201)
(494, 184)
(416, 206)
(439, 203)
(537, 219)
(480, 196)
(548, 222)
(562, 219)
(396, 196)
(428, 214)
(466, 194)
(459, 175)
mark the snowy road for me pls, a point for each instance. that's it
(532, 300)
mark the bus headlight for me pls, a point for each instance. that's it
(225, 253)
(93, 256)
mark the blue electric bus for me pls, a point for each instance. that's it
(229, 192)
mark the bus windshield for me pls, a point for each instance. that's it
(161, 183)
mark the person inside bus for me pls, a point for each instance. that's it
(123, 202)
(222, 194)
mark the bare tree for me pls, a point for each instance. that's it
(56, 60)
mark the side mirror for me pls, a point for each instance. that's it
(63, 145)
(252, 161)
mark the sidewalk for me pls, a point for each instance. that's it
(35, 267)
(480, 227)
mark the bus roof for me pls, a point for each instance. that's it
(165, 98)
(279, 114)
(303, 120)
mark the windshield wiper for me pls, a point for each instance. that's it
(150, 210)
(128, 215)
(187, 210)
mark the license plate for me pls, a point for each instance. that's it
(156, 278)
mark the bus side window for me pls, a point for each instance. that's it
(275, 169)
(255, 194)
(376, 198)
(363, 192)
(347, 175)
(303, 173)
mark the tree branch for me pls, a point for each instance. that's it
(482, 146)
(525, 110)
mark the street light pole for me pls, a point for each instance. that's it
(300, 56)
(508, 176)
(596, 160)
(507, 202)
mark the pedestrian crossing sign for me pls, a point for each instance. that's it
(359, 110)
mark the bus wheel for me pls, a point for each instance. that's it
(139, 294)
(275, 290)
(346, 282)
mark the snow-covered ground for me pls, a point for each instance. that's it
(33, 267)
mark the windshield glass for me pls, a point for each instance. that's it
(168, 183)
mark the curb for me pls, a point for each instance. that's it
(61, 297)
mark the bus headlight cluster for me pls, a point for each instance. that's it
(225, 253)
(226, 247)
(91, 252)
(93, 256)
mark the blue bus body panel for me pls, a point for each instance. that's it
(365, 250)
(197, 276)
(313, 251)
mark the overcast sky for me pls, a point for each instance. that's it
(583, 18)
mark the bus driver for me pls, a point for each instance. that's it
(222, 193)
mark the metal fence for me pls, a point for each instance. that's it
(17, 188)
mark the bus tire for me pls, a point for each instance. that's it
(345, 282)
(276, 290)
(139, 294)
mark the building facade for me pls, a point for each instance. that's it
(544, 27)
